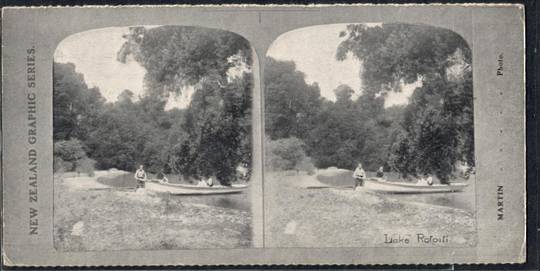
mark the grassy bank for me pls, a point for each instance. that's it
(300, 217)
(96, 216)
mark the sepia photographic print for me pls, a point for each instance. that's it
(152, 139)
(263, 135)
(369, 137)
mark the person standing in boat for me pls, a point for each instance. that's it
(140, 176)
(359, 175)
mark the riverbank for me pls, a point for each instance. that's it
(340, 217)
(92, 216)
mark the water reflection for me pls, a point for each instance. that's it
(238, 201)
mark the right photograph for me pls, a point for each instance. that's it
(369, 137)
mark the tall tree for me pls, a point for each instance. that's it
(219, 124)
(76, 106)
(340, 133)
(290, 103)
(179, 56)
(218, 119)
(438, 126)
(349, 131)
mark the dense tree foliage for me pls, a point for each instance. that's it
(75, 105)
(287, 154)
(431, 135)
(210, 137)
(437, 132)
(121, 134)
(290, 103)
(69, 155)
(69, 151)
(339, 133)
(218, 126)
(179, 56)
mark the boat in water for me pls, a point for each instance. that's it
(382, 186)
(188, 189)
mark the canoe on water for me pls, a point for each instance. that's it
(187, 189)
(382, 186)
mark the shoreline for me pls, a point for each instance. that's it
(301, 217)
(90, 216)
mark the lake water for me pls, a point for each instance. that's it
(239, 201)
(464, 200)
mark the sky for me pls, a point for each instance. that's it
(94, 54)
(313, 49)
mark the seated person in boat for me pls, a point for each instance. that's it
(425, 181)
(161, 177)
(206, 182)
(242, 172)
(140, 176)
(359, 175)
(380, 172)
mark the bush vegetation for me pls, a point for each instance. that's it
(432, 134)
(287, 154)
(210, 137)
(69, 155)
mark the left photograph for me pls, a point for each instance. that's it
(152, 139)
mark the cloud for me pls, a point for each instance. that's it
(313, 49)
(94, 55)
